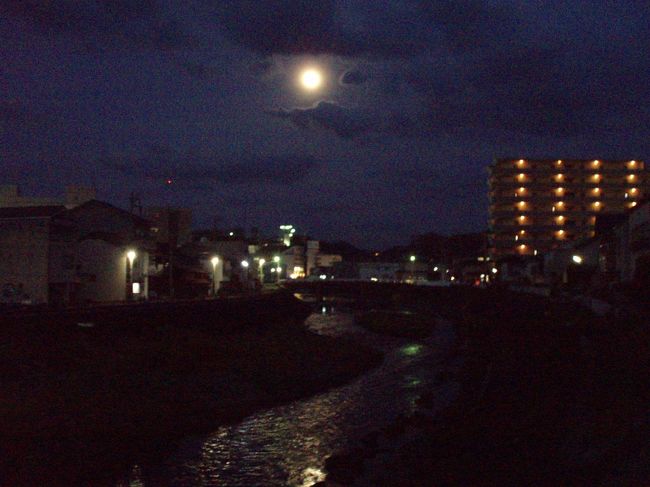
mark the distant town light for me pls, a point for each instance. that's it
(273, 269)
(535, 252)
(435, 269)
(244, 264)
(323, 276)
(131, 256)
(276, 258)
(262, 262)
(577, 259)
(214, 260)
(374, 279)
(231, 233)
(453, 278)
(494, 270)
(135, 288)
(412, 258)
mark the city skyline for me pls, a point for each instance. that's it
(393, 138)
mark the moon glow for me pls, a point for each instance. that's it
(311, 79)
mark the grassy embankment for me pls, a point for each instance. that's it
(79, 402)
(550, 395)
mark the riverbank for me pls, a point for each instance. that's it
(550, 394)
(79, 403)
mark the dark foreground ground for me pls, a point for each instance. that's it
(549, 395)
(80, 405)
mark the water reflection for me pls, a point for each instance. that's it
(288, 445)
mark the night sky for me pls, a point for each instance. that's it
(419, 97)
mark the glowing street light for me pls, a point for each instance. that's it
(130, 258)
(576, 259)
(214, 261)
(261, 269)
(245, 264)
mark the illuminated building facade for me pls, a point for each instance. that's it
(541, 204)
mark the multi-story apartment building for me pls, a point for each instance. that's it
(541, 204)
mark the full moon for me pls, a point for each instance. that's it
(311, 79)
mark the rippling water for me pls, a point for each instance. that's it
(287, 445)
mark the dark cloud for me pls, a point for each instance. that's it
(101, 24)
(331, 116)
(308, 27)
(20, 126)
(192, 167)
(199, 70)
(473, 24)
(354, 77)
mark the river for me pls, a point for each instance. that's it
(288, 445)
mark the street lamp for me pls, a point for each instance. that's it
(214, 261)
(130, 258)
(576, 259)
(276, 260)
(261, 269)
(412, 259)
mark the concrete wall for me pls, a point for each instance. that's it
(102, 269)
(24, 250)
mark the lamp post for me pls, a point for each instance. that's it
(276, 261)
(261, 270)
(214, 261)
(412, 259)
(130, 258)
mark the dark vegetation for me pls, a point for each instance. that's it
(550, 394)
(78, 401)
